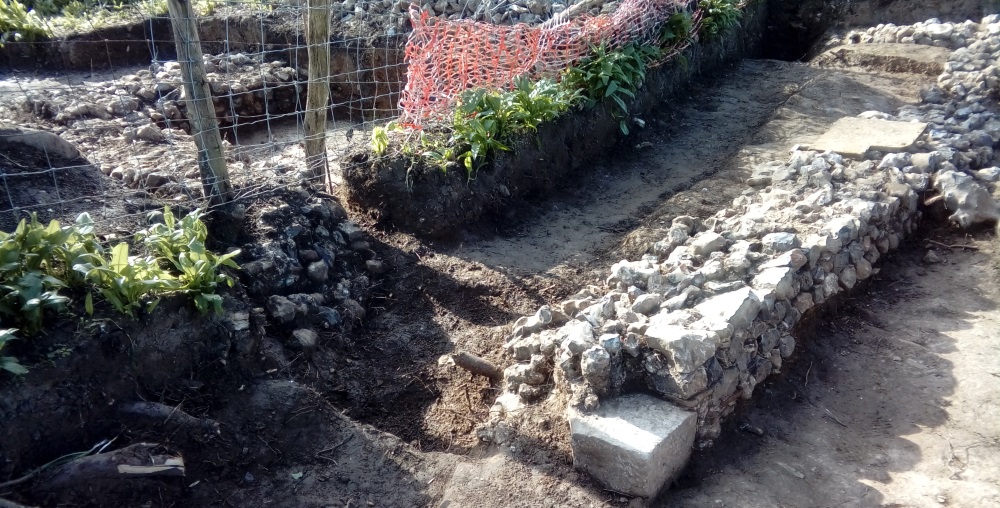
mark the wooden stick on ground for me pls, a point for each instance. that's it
(477, 366)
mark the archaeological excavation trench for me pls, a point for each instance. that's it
(787, 273)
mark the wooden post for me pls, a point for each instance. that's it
(200, 110)
(318, 88)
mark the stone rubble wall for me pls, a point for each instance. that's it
(709, 312)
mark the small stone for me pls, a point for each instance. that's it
(708, 242)
(577, 336)
(318, 271)
(354, 310)
(282, 309)
(149, 132)
(863, 268)
(647, 304)
(803, 302)
(931, 257)
(780, 242)
(329, 318)
(375, 267)
(848, 277)
(610, 342)
(988, 175)
(595, 365)
(351, 231)
(305, 339)
(737, 308)
(308, 256)
(156, 180)
(776, 281)
(688, 350)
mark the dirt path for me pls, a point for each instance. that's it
(894, 403)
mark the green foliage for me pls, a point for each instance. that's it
(9, 363)
(719, 16)
(380, 140)
(182, 245)
(677, 29)
(126, 281)
(37, 261)
(486, 121)
(612, 74)
(19, 22)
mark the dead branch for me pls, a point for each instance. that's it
(957, 246)
(477, 366)
(170, 419)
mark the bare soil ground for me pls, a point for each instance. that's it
(891, 403)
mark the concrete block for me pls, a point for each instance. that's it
(634, 444)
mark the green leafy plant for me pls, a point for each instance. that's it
(9, 363)
(719, 16)
(127, 281)
(181, 245)
(486, 121)
(36, 262)
(380, 140)
(20, 23)
(677, 29)
(612, 75)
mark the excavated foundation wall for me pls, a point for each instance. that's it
(710, 311)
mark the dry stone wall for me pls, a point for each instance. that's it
(709, 312)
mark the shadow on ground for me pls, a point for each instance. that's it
(852, 415)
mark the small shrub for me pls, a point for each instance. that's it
(614, 75)
(719, 16)
(127, 281)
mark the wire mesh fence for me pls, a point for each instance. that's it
(130, 117)
(111, 84)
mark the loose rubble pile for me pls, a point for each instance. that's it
(709, 312)
(310, 269)
(500, 12)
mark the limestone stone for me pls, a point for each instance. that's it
(647, 304)
(634, 444)
(852, 137)
(687, 349)
(776, 281)
(707, 243)
(738, 308)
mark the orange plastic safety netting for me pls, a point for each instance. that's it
(445, 58)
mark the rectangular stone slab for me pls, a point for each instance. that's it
(852, 136)
(634, 444)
